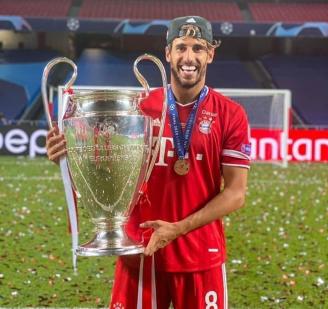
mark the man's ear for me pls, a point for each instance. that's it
(167, 54)
(210, 53)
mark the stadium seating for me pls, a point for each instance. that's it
(229, 73)
(99, 67)
(35, 8)
(13, 99)
(144, 10)
(307, 78)
(225, 10)
(289, 12)
(20, 79)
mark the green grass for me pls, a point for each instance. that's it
(277, 244)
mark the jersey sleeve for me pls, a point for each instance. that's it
(236, 146)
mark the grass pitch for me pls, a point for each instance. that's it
(277, 244)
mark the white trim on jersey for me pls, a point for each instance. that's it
(235, 154)
(140, 282)
(225, 286)
(237, 165)
(153, 283)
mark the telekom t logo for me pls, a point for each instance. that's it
(166, 142)
(167, 150)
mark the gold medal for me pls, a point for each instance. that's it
(181, 167)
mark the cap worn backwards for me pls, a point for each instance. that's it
(176, 29)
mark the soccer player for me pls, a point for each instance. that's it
(206, 139)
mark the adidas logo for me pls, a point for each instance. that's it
(191, 20)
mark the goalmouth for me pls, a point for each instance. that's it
(268, 112)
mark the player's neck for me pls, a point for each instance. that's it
(186, 96)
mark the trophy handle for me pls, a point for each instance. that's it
(45, 75)
(145, 85)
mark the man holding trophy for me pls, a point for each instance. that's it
(179, 216)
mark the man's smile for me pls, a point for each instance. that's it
(188, 70)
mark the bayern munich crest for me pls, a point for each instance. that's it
(205, 126)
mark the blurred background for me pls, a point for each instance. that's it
(278, 245)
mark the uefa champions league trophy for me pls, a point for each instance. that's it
(109, 144)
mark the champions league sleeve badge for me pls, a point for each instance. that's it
(246, 149)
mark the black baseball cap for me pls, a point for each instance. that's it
(204, 26)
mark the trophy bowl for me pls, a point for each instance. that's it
(108, 149)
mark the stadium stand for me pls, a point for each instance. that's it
(289, 12)
(99, 67)
(225, 10)
(230, 73)
(144, 10)
(20, 79)
(35, 8)
(13, 98)
(307, 78)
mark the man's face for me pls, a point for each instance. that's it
(189, 58)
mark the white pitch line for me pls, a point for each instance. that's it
(28, 178)
(289, 182)
(50, 308)
(26, 162)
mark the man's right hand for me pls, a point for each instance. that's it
(55, 144)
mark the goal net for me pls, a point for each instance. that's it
(268, 114)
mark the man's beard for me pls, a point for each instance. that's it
(187, 84)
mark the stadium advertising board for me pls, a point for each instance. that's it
(303, 145)
(267, 145)
(22, 140)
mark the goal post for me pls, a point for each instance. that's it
(268, 112)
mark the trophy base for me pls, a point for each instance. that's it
(107, 243)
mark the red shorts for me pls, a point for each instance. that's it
(192, 290)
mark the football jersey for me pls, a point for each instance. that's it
(220, 137)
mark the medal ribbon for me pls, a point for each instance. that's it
(182, 141)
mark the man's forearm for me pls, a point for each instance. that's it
(226, 202)
(221, 205)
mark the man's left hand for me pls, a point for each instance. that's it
(164, 233)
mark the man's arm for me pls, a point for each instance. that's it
(228, 201)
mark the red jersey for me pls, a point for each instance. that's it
(220, 137)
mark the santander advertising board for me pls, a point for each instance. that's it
(303, 145)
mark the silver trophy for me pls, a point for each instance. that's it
(109, 153)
